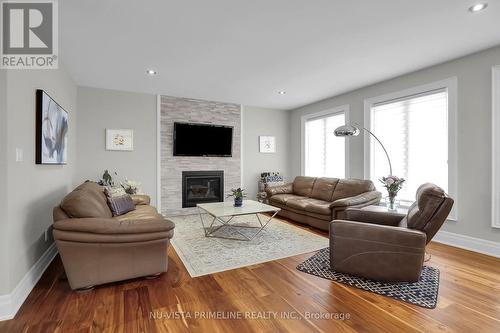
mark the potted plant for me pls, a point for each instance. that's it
(107, 179)
(238, 195)
(393, 184)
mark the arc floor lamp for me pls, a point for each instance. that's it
(351, 130)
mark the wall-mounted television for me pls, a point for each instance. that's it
(202, 140)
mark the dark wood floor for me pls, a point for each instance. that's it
(469, 301)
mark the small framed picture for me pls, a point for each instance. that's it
(267, 144)
(120, 139)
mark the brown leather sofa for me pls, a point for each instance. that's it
(97, 248)
(386, 246)
(318, 201)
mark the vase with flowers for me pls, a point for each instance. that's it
(238, 195)
(393, 184)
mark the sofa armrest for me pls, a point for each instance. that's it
(141, 199)
(281, 189)
(359, 200)
(382, 234)
(113, 226)
(374, 216)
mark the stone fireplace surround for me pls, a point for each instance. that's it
(175, 109)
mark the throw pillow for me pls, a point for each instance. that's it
(112, 192)
(121, 205)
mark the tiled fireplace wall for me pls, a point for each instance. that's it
(174, 109)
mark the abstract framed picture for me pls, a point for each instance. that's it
(120, 139)
(267, 144)
(51, 131)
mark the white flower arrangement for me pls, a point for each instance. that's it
(131, 186)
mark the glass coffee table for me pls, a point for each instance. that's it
(223, 213)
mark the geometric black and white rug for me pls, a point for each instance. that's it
(423, 293)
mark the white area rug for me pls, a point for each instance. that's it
(205, 255)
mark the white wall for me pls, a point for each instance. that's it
(100, 109)
(257, 122)
(474, 134)
(33, 190)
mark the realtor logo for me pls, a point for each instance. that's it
(29, 34)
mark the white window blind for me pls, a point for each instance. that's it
(414, 131)
(324, 152)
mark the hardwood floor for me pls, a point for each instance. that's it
(469, 301)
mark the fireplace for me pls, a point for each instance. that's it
(202, 187)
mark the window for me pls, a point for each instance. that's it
(324, 154)
(416, 127)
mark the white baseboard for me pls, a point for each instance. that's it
(469, 243)
(10, 303)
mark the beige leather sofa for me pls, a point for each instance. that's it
(388, 246)
(97, 248)
(318, 201)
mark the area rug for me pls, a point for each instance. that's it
(206, 255)
(423, 293)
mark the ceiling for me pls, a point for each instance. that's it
(246, 51)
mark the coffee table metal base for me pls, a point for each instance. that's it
(209, 232)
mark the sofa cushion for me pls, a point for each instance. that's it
(112, 226)
(141, 199)
(87, 200)
(142, 212)
(351, 187)
(284, 208)
(303, 185)
(310, 205)
(283, 198)
(323, 188)
(299, 203)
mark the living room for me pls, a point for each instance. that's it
(257, 166)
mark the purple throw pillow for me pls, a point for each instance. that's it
(121, 205)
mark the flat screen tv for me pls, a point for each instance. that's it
(202, 140)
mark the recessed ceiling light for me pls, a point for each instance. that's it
(282, 92)
(151, 72)
(478, 7)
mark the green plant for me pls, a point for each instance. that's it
(107, 179)
(237, 193)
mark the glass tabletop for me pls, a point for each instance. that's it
(227, 208)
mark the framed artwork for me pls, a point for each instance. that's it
(120, 139)
(51, 131)
(267, 144)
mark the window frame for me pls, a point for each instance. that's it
(345, 109)
(450, 85)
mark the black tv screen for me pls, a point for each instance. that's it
(202, 140)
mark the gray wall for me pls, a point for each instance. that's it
(474, 146)
(100, 109)
(4, 276)
(257, 122)
(33, 190)
(175, 109)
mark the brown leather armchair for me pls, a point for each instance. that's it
(97, 248)
(386, 246)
